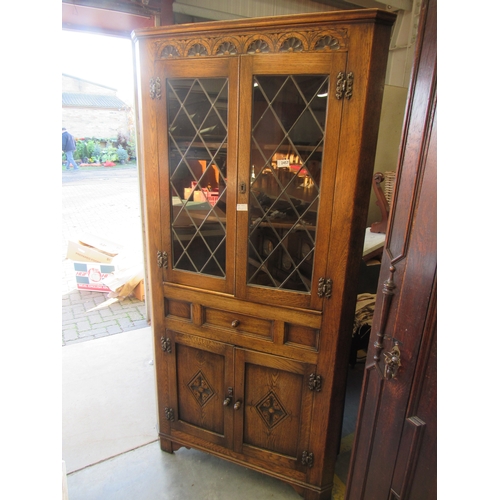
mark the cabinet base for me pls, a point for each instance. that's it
(170, 446)
(305, 492)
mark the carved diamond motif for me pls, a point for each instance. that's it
(200, 388)
(271, 410)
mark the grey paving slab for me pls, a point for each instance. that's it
(104, 202)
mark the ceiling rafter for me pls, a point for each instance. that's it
(146, 8)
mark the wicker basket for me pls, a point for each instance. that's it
(390, 176)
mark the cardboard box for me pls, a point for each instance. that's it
(139, 291)
(90, 248)
(90, 276)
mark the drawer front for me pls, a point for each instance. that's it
(292, 333)
(238, 323)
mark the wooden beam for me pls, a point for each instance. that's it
(167, 13)
(130, 7)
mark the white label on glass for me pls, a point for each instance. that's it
(283, 163)
(242, 207)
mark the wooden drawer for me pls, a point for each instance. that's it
(284, 332)
(238, 323)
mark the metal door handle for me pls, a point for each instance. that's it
(229, 398)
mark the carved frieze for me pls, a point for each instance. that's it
(313, 40)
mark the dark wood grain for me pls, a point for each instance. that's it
(394, 451)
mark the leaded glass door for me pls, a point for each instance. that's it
(289, 167)
(197, 144)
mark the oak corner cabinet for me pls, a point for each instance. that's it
(256, 146)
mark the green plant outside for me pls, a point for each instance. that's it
(92, 150)
(121, 154)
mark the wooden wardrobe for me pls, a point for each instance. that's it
(394, 453)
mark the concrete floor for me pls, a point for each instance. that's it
(110, 445)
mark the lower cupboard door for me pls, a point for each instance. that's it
(200, 380)
(273, 419)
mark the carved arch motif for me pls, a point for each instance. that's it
(292, 42)
(197, 49)
(327, 42)
(169, 51)
(258, 46)
(226, 49)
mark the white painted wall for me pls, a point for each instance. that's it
(77, 85)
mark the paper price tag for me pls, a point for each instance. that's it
(242, 207)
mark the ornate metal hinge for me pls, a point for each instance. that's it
(344, 85)
(314, 382)
(162, 259)
(169, 414)
(307, 459)
(166, 345)
(155, 88)
(325, 287)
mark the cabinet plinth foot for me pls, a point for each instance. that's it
(166, 445)
(307, 494)
(170, 446)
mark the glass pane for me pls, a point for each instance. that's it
(197, 147)
(288, 128)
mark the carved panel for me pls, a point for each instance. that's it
(314, 40)
(271, 410)
(200, 388)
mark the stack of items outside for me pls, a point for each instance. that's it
(104, 266)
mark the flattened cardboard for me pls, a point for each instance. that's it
(90, 248)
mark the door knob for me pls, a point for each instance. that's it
(237, 405)
(229, 398)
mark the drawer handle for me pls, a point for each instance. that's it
(235, 323)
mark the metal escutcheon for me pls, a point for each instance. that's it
(392, 360)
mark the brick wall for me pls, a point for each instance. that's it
(93, 122)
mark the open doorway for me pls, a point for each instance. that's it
(100, 199)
